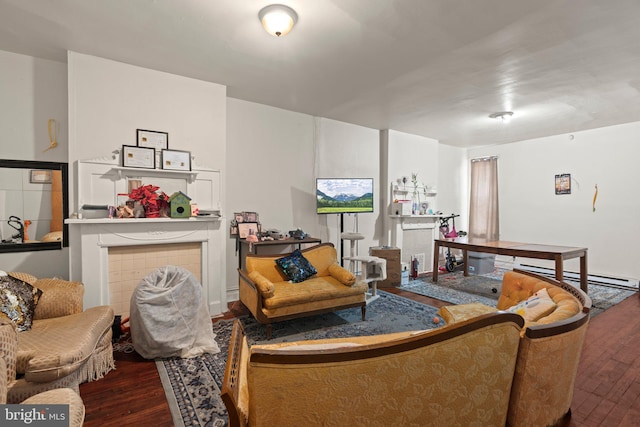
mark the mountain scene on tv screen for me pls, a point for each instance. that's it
(348, 199)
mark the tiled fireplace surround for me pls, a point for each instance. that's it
(129, 264)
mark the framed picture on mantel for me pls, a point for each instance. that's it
(138, 157)
(176, 160)
(152, 139)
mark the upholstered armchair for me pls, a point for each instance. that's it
(8, 354)
(65, 346)
(549, 352)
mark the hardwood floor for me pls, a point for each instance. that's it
(607, 389)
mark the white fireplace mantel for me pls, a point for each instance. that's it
(401, 224)
(92, 238)
(101, 181)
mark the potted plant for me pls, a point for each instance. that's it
(155, 203)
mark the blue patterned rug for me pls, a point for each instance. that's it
(192, 386)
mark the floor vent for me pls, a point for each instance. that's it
(613, 282)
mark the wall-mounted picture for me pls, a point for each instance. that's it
(138, 157)
(152, 139)
(563, 183)
(176, 160)
(40, 177)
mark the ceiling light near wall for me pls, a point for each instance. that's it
(505, 116)
(278, 19)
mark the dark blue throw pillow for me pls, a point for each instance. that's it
(296, 267)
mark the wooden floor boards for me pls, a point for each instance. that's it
(607, 390)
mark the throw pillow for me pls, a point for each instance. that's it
(296, 267)
(342, 275)
(537, 306)
(18, 301)
(267, 289)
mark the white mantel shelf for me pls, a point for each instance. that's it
(115, 221)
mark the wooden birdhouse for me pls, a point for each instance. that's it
(180, 205)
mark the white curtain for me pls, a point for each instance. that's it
(483, 207)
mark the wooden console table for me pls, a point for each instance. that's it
(263, 247)
(524, 250)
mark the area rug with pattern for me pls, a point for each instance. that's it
(457, 289)
(192, 386)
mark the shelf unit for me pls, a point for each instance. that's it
(124, 172)
(100, 181)
(408, 193)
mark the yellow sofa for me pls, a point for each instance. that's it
(65, 346)
(457, 375)
(271, 297)
(474, 370)
(550, 347)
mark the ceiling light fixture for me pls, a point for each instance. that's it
(504, 115)
(278, 19)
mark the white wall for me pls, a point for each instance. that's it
(109, 100)
(350, 151)
(33, 91)
(273, 159)
(270, 171)
(402, 155)
(531, 212)
(453, 184)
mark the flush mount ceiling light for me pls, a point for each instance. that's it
(278, 19)
(505, 116)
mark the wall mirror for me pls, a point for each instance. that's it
(33, 205)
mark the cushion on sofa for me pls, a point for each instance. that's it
(342, 275)
(311, 291)
(296, 267)
(536, 306)
(265, 286)
(18, 300)
(458, 313)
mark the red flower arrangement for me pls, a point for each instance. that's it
(154, 203)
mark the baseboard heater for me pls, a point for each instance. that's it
(613, 282)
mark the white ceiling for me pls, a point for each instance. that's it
(435, 68)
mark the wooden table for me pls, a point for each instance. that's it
(524, 250)
(255, 248)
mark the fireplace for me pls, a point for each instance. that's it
(196, 243)
(141, 245)
(414, 236)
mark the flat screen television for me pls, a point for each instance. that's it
(344, 195)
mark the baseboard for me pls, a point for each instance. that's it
(614, 282)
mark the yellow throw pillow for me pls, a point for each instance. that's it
(266, 288)
(537, 306)
(342, 275)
